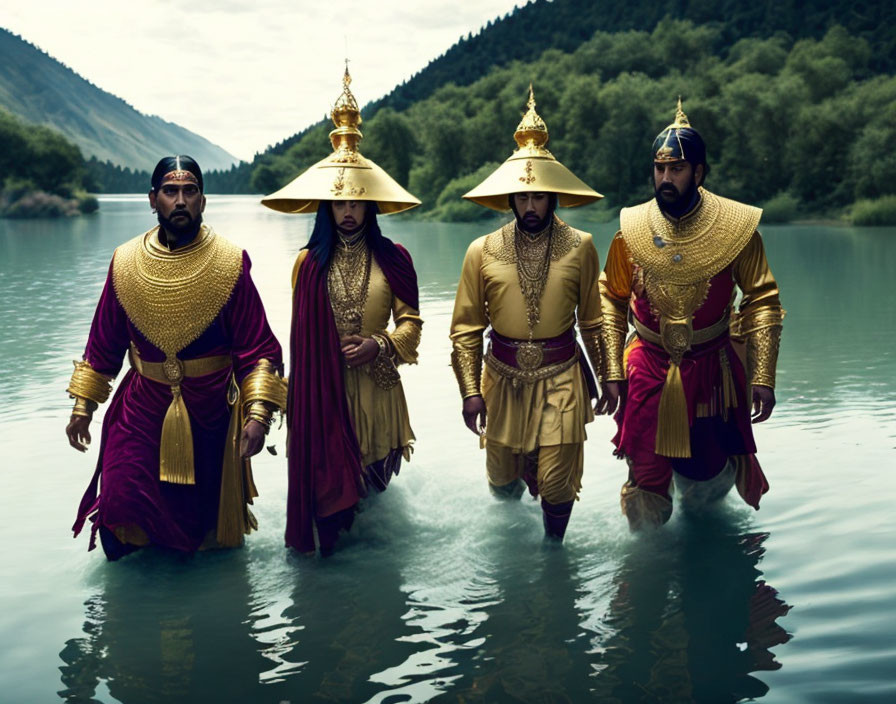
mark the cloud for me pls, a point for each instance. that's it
(246, 75)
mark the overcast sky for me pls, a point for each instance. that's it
(245, 74)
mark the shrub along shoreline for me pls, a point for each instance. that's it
(43, 174)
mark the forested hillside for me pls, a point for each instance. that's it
(524, 34)
(38, 89)
(806, 122)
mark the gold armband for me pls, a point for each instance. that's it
(87, 383)
(762, 355)
(263, 386)
(467, 365)
(744, 325)
(592, 339)
(613, 333)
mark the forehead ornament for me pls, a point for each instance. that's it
(180, 175)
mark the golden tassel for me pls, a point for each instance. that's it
(673, 432)
(231, 526)
(237, 484)
(729, 393)
(176, 451)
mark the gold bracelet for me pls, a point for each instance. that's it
(592, 339)
(260, 413)
(264, 384)
(467, 365)
(384, 348)
(82, 407)
(87, 383)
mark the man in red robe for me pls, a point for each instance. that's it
(686, 380)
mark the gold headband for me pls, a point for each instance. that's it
(180, 175)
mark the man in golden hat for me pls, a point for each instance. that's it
(531, 281)
(684, 383)
(196, 404)
(348, 419)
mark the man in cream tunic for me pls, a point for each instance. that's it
(532, 281)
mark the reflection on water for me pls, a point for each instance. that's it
(147, 638)
(688, 618)
(439, 593)
(691, 619)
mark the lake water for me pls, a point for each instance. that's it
(439, 593)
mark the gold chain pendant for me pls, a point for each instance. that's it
(347, 282)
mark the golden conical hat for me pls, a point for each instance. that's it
(345, 174)
(532, 168)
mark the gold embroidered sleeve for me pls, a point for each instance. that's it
(405, 338)
(615, 286)
(590, 317)
(88, 386)
(469, 321)
(762, 355)
(262, 392)
(760, 315)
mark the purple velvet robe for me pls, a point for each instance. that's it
(127, 472)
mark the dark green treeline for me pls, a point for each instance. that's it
(41, 172)
(806, 123)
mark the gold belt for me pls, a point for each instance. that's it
(529, 376)
(176, 442)
(697, 336)
(173, 370)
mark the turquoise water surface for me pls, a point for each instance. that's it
(439, 593)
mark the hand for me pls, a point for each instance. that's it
(613, 395)
(474, 414)
(358, 350)
(763, 403)
(252, 439)
(78, 433)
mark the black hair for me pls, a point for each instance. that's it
(323, 236)
(181, 162)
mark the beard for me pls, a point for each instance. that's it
(531, 223)
(674, 202)
(183, 232)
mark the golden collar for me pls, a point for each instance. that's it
(500, 244)
(173, 296)
(694, 248)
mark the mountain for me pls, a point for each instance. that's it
(40, 90)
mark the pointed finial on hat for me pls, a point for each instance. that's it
(346, 116)
(532, 132)
(681, 120)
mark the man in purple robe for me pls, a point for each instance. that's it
(173, 467)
